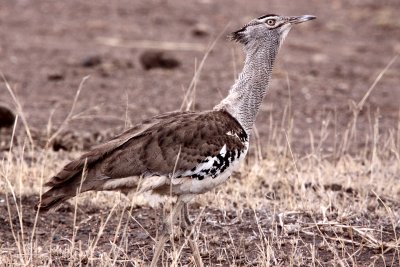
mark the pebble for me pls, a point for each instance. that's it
(157, 59)
(200, 30)
(91, 61)
(55, 76)
(7, 117)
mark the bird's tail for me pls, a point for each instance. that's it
(61, 192)
(49, 202)
(53, 198)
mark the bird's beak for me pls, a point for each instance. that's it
(300, 19)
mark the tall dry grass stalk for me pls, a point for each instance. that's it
(290, 197)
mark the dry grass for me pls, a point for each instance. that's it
(320, 209)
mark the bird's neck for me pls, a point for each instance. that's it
(246, 95)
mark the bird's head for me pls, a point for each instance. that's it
(267, 28)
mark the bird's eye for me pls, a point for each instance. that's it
(270, 22)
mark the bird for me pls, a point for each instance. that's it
(182, 153)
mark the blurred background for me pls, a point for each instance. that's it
(141, 57)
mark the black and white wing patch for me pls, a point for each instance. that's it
(213, 166)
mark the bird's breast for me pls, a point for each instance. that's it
(212, 172)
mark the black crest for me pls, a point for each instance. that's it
(239, 36)
(265, 16)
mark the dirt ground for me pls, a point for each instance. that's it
(48, 47)
(227, 238)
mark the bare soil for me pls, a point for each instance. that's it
(226, 237)
(325, 66)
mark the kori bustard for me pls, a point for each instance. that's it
(182, 153)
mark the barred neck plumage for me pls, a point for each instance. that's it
(246, 95)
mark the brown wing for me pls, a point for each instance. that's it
(192, 136)
(100, 152)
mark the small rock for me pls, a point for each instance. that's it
(7, 117)
(333, 187)
(91, 61)
(157, 59)
(55, 76)
(200, 30)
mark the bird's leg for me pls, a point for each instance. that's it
(166, 231)
(185, 222)
(187, 225)
(186, 214)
